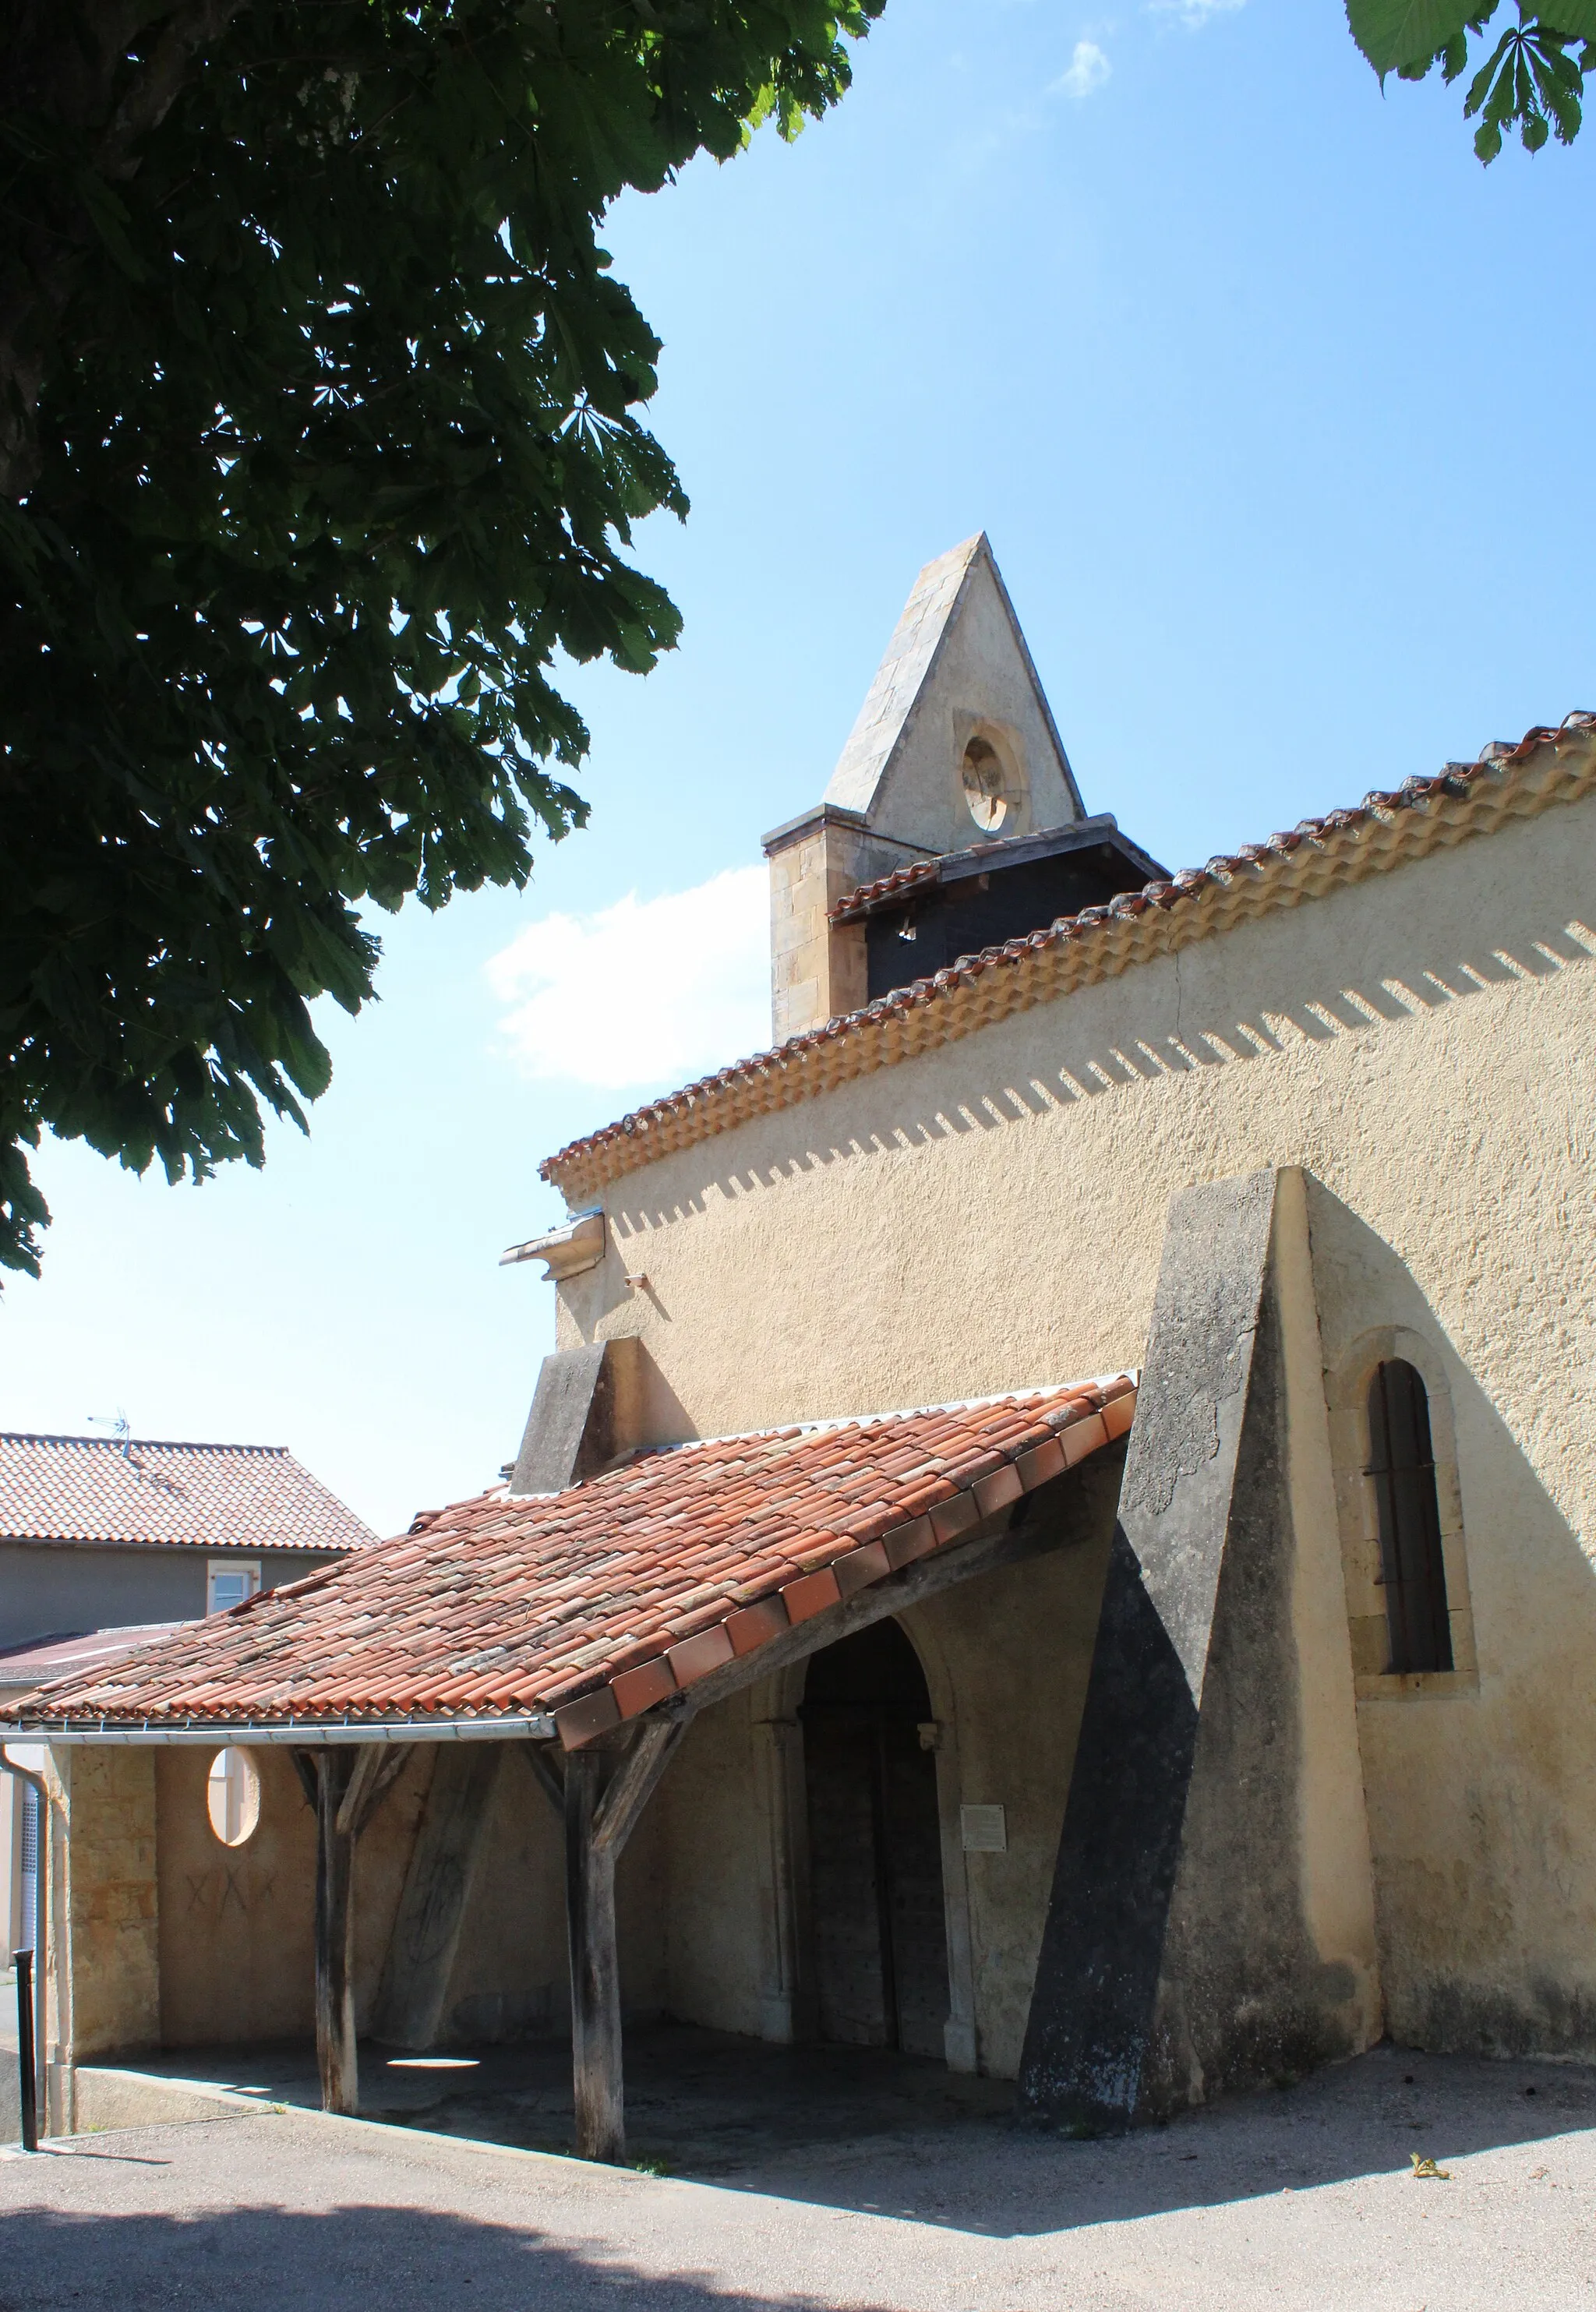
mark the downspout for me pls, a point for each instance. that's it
(35, 1784)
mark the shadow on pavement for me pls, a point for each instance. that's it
(298, 2262)
(855, 2128)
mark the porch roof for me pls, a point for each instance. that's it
(593, 1605)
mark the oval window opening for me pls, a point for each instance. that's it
(232, 1796)
(984, 785)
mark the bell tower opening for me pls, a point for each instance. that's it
(982, 773)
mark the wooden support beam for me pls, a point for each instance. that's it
(603, 1803)
(335, 1772)
(634, 1784)
(449, 1840)
(544, 1760)
(595, 1967)
(349, 1781)
(384, 1764)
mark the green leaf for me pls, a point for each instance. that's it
(108, 216)
(1576, 20)
(1454, 59)
(1495, 74)
(1559, 86)
(1395, 33)
(339, 450)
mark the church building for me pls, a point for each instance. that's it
(1058, 1534)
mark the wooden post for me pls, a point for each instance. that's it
(335, 1934)
(346, 1783)
(595, 1968)
(599, 1814)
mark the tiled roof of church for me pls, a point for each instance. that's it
(596, 1603)
(902, 879)
(1001, 850)
(1320, 855)
(98, 1489)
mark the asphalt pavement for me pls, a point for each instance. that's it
(1304, 2197)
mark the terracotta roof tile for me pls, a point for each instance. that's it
(92, 1489)
(529, 1605)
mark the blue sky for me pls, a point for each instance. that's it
(1274, 405)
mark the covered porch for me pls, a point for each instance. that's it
(799, 1854)
(699, 2103)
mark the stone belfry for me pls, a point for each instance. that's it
(955, 745)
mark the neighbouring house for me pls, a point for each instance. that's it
(1057, 1533)
(107, 1542)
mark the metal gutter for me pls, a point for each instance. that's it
(307, 1734)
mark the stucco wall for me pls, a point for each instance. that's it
(992, 1213)
(510, 1976)
(1012, 1654)
(1481, 1805)
(51, 1588)
(104, 1903)
(236, 1923)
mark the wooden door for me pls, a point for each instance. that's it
(880, 1958)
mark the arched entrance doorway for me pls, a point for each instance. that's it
(880, 1933)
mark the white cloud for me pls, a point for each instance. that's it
(646, 992)
(1088, 70)
(1195, 12)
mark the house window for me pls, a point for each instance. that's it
(232, 1796)
(229, 1583)
(1402, 1466)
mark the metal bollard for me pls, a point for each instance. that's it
(27, 2085)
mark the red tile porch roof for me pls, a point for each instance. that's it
(596, 1603)
(90, 1489)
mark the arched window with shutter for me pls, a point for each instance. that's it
(1402, 1464)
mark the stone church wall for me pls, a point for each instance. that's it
(992, 1213)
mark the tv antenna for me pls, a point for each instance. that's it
(120, 1427)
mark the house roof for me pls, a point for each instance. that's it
(1308, 861)
(596, 1603)
(92, 1489)
(44, 1659)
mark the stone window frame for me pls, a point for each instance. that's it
(1346, 1397)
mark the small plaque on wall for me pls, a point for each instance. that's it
(985, 1830)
